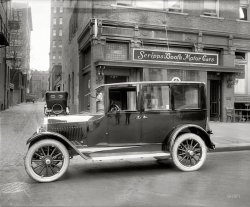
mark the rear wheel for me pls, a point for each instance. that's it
(47, 160)
(189, 152)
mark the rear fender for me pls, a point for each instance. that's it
(195, 129)
(53, 135)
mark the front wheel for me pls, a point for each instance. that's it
(47, 160)
(189, 152)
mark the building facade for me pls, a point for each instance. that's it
(18, 54)
(4, 43)
(117, 41)
(56, 24)
(39, 83)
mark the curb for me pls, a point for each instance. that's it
(230, 148)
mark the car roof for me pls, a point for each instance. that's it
(154, 82)
(56, 92)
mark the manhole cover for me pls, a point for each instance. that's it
(15, 187)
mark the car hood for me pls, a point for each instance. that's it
(74, 127)
(70, 119)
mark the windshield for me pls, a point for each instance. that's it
(100, 100)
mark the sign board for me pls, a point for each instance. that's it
(174, 57)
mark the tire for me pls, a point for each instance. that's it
(189, 152)
(47, 160)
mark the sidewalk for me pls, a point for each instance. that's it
(230, 136)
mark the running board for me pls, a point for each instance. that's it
(130, 156)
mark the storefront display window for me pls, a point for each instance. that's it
(241, 83)
(168, 74)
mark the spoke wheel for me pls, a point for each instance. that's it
(189, 152)
(47, 160)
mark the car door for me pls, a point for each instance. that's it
(124, 123)
(157, 117)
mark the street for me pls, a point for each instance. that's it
(224, 180)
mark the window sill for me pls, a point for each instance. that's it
(212, 17)
(148, 9)
(241, 20)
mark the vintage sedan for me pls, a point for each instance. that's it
(56, 103)
(132, 120)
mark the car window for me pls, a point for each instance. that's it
(186, 97)
(100, 100)
(123, 99)
(156, 97)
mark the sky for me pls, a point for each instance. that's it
(40, 36)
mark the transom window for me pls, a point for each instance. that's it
(156, 97)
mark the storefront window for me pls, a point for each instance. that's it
(241, 83)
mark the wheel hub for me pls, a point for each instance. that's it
(48, 161)
(190, 152)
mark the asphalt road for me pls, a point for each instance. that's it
(224, 180)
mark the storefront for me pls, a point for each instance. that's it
(129, 54)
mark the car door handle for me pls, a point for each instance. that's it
(138, 117)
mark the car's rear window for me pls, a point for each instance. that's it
(185, 97)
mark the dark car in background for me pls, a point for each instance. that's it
(30, 98)
(133, 120)
(56, 103)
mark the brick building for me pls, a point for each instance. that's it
(39, 83)
(4, 42)
(136, 40)
(56, 22)
(18, 53)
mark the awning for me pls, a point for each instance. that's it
(186, 66)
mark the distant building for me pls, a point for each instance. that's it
(5, 86)
(39, 83)
(56, 33)
(20, 28)
(137, 40)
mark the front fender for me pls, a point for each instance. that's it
(53, 135)
(188, 128)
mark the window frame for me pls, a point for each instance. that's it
(244, 5)
(124, 87)
(143, 88)
(209, 13)
(173, 104)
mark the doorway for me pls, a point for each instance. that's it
(215, 100)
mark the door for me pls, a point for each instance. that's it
(215, 97)
(123, 116)
(157, 117)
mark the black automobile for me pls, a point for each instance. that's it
(132, 120)
(56, 103)
(30, 98)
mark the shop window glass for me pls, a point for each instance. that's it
(240, 84)
(185, 97)
(156, 98)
